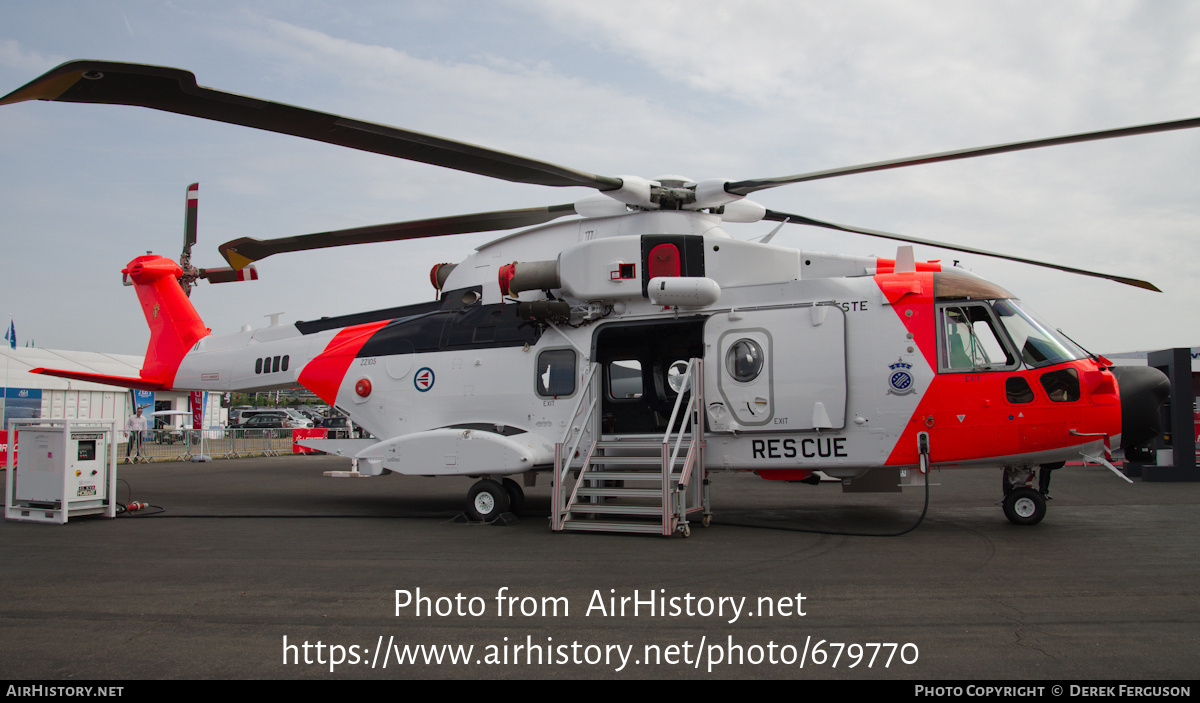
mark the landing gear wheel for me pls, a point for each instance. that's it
(486, 500)
(1024, 506)
(516, 496)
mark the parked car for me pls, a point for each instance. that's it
(235, 413)
(340, 428)
(312, 415)
(272, 424)
(298, 418)
(294, 418)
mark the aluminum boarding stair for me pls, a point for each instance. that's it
(636, 484)
(622, 489)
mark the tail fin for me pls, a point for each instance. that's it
(175, 326)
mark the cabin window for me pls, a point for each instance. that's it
(744, 360)
(1062, 386)
(970, 340)
(258, 365)
(1018, 391)
(625, 379)
(284, 365)
(275, 365)
(556, 373)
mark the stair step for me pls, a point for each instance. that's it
(626, 459)
(620, 493)
(617, 509)
(655, 444)
(632, 460)
(601, 475)
(649, 528)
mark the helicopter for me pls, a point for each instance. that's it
(637, 346)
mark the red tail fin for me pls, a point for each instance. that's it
(174, 324)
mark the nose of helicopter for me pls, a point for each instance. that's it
(1143, 390)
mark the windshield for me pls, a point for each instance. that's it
(1038, 343)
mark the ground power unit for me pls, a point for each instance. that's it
(63, 469)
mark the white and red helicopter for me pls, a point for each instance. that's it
(565, 346)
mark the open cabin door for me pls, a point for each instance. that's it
(639, 362)
(778, 369)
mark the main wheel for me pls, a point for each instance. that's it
(1024, 506)
(486, 500)
(516, 495)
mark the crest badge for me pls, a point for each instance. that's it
(900, 378)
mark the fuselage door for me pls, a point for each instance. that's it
(780, 369)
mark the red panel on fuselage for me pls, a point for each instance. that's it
(968, 415)
(323, 375)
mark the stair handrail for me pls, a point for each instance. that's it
(683, 390)
(563, 464)
(693, 391)
(696, 424)
(686, 423)
(571, 427)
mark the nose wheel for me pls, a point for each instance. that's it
(487, 500)
(1024, 506)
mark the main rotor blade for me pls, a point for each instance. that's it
(241, 252)
(801, 220)
(175, 90)
(749, 186)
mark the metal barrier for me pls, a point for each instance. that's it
(182, 445)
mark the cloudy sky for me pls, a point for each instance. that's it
(705, 89)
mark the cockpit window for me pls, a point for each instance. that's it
(1038, 343)
(1062, 386)
(970, 341)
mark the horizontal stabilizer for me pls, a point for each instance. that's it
(142, 384)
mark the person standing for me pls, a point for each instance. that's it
(134, 427)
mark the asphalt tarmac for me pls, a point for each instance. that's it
(265, 569)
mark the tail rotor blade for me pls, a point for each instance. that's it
(190, 273)
(224, 274)
(189, 218)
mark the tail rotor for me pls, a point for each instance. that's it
(191, 274)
